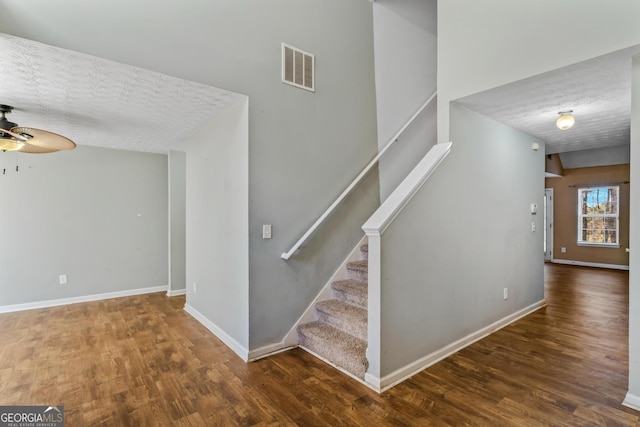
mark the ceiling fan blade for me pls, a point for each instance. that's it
(34, 149)
(46, 141)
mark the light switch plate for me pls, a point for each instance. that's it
(266, 231)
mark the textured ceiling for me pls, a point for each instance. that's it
(598, 91)
(98, 102)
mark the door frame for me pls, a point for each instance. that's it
(548, 224)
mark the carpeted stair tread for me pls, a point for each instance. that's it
(358, 270)
(362, 265)
(342, 349)
(351, 291)
(346, 317)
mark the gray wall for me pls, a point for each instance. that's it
(304, 148)
(95, 214)
(217, 223)
(471, 37)
(634, 239)
(405, 40)
(177, 220)
(464, 237)
(596, 157)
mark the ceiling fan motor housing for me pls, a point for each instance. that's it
(4, 123)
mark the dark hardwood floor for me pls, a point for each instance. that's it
(142, 360)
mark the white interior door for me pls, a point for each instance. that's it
(548, 224)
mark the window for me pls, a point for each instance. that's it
(598, 216)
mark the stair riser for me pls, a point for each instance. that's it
(355, 367)
(360, 275)
(358, 300)
(357, 329)
(364, 255)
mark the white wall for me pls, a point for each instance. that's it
(177, 220)
(405, 42)
(464, 237)
(217, 247)
(98, 215)
(634, 242)
(486, 44)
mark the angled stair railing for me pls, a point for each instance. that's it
(356, 181)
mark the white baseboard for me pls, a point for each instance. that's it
(76, 300)
(632, 401)
(175, 293)
(269, 350)
(227, 339)
(590, 264)
(394, 378)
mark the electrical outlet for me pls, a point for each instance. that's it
(62, 279)
(505, 293)
(563, 250)
(194, 287)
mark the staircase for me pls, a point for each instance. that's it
(339, 333)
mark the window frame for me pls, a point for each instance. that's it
(580, 242)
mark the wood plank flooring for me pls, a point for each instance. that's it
(142, 361)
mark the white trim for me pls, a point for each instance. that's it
(172, 293)
(341, 197)
(600, 245)
(590, 264)
(374, 320)
(227, 339)
(393, 205)
(268, 350)
(632, 401)
(80, 299)
(549, 218)
(396, 377)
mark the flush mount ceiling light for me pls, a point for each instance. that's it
(566, 120)
(29, 140)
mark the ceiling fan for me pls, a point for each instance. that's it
(29, 140)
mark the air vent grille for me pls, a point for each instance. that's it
(298, 68)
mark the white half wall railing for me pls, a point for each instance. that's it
(380, 220)
(374, 228)
(356, 181)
